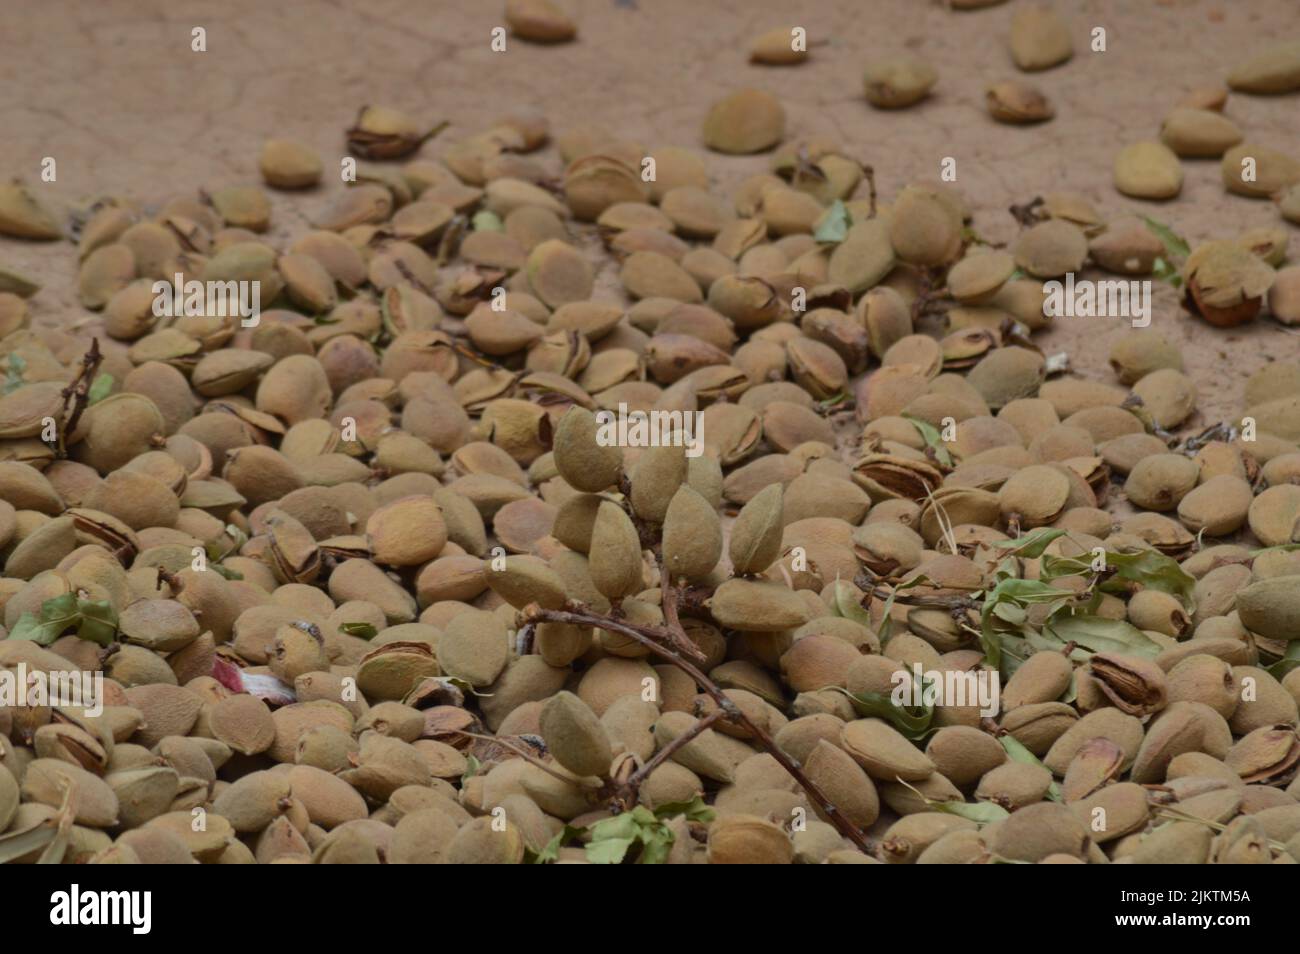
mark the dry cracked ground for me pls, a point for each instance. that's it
(113, 92)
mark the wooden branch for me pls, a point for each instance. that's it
(660, 645)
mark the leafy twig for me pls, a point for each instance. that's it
(659, 644)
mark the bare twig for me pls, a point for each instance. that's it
(1030, 213)
(692, 601)
(658, 644)
(629, 789)
(931, 293)
(871, 588)
(79, 393)
(404, 270)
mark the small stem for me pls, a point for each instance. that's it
(171, 579)
(525, 639)
(1028, 214)
(79, 391)
(633, 785)
(1175, 815)
(691, 601)
(869, 173)
(519, 751)
(676, 635)
(644, 531)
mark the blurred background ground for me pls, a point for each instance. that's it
(112, 90)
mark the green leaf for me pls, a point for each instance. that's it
(658, 843)
(360, 630)
(643, 816)
(1282, 547)
(58, 846)
(1032, 544)
(225, 571)
(1017, 752)
(98, 621)
(846, 605)
(834, 224)
(982, 813)
(1018, 593)
(1027, 591)
(62, 606)
(551, 852)
(100, 388)
(612, 838)
(886, 622)
(1012, 613)
(15, 844)
(1100, 635)
(1162, 271)
(608, 851)
(1149, 568)
(58, 614)
(913, 722)
(832, 402)
(1291, 661)
(486, 221)
(466, 687)
(1055, 566)
(1175, 244)
(623, 825)
(472, 765)
(29, 627)
(14, 372)
(1014, 651)
(1154, 571)
(695, 810)
(933, 439)
(1072, 693)
(219, 548)
(1165, 268)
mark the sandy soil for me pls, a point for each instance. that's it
(112, 90)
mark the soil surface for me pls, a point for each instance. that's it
(113, 91)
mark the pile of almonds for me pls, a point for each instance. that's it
(366, 582)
